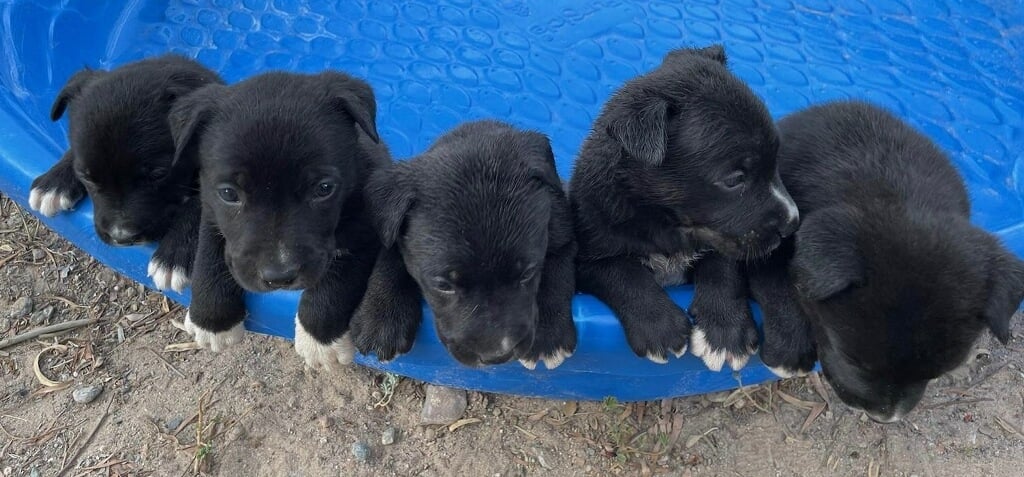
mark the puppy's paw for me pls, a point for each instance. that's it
(660, 334)
(789, 356)
(553, 342)
(51, 201)
(215, 341)
(386, 332)
(167, 277)
(717, 346)
(317, 354)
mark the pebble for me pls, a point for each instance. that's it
(38, 254)
(86, 394)
(173, 423)
(34, 472)
(326, 423)
(41, 317)
(21, 307)
(442, 405)
(388, 436)
(360, 451)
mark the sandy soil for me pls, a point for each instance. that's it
(256, 411)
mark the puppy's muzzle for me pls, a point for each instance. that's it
(279, 275)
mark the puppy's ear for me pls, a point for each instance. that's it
(389, 195)
(355, 97)
(713, 52)
(542, 161)
(1005, 290)
(181, 83)
(75, 84)
(826, 260)
(188, 117)
(641, 129)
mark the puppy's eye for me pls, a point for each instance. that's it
(442, 285)
(158, 173)
(734, 180)
(229, 195)
(528, 274)
(324, 190)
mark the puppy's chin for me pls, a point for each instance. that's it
(751, 246)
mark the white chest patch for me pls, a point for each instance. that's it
(670, 270)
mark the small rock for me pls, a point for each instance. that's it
(34, 472)
(388, 436)
(360, 451)
(173, 423)
(41, 317)
(442, 405)
(38, 254)
(21, 307)
(326, 423)
(86, 394)
(5, 324)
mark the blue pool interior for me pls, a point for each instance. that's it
(952, 69)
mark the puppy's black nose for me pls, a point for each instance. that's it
(121, 235)
(279, 275)
(789, 227)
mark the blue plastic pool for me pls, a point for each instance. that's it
(953, 69)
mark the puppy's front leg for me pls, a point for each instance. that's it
(788, 348)
(322, 335)
(555, 337)
(217, 311)
(654, 325)
(58, 189)
(171, 264)
(724, 328)
(391, 311)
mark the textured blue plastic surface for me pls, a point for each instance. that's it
(953, 69)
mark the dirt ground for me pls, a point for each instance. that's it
(256, 411)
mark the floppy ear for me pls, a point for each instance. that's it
(1005, 291)
(542, 161)
(641, 129)
(188, 117)
(75, 84)
(389, 196)
(355, 97)
(826, 260)
(181, 83)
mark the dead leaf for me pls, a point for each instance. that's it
(796, 402)
(569, 408)
(462, 422)
(815, 412)
(45, 381)
(179, 347)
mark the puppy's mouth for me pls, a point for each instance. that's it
(747, 247)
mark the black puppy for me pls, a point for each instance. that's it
(121, 153)
(283, 160)
(484, 228)
(887, 270)
(680, 171)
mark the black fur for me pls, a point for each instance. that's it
(483, 227)
(887, 271)
(295, 151)
(121, 153)
(680, 164)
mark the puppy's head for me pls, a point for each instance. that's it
(699, 143)
(280, 159)
(471, 219)
(897, 299)
(122, 145)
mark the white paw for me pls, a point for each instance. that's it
(166, 278)
(551, 361)
(713, 359)
(657, 358)
(317, 355)
(49, 203)
(784, 372)
(214, 341)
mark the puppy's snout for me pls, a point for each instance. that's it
(279, 275)
(122, 234)
(789, 217)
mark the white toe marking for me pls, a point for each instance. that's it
(792, 213)
(782, 372)
(215, 342)
(316, 354)
(681, 352)
(713, 359)
(738, 362)
(657, 358)
(167, 278)
(528, 364)
(49, 203)
(556, 360)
